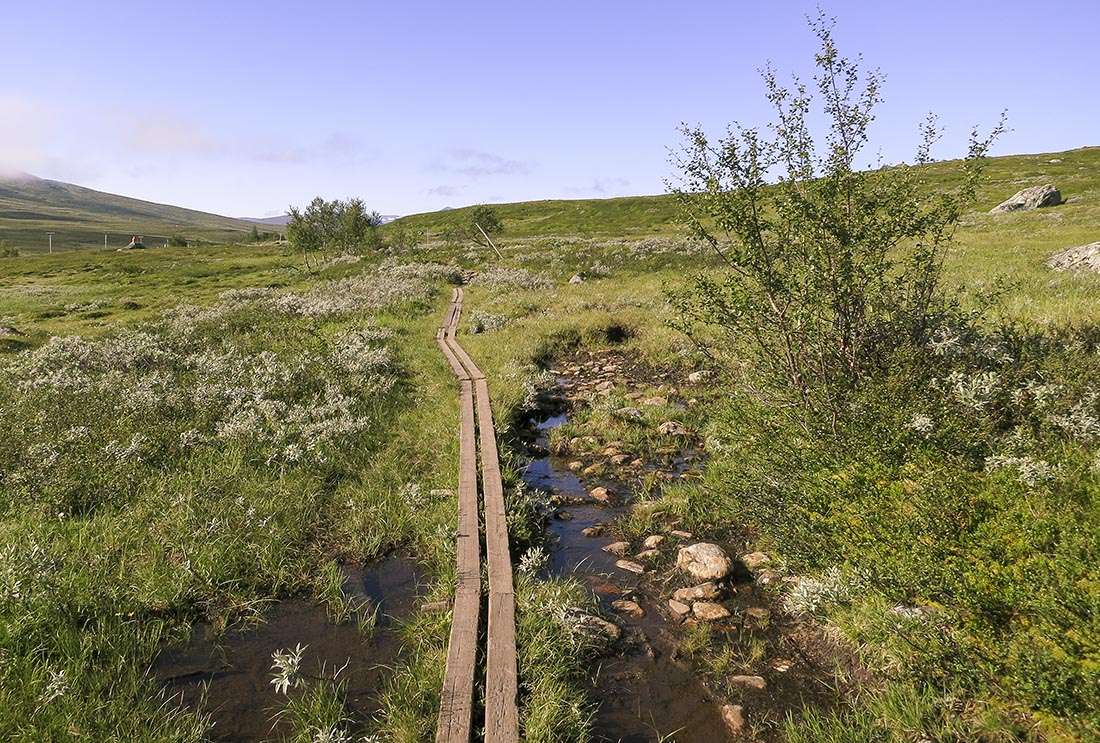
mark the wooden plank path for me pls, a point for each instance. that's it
(501, 684)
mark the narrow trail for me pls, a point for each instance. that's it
(457, 703)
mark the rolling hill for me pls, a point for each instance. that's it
(79, 217)
(1075, 172)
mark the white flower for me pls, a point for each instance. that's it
(533, 560)
(921, 423)
(286, 664)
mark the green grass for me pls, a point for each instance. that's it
(86, 627)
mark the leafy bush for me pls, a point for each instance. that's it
(323, 226)
(943, 463)
(831, 268)
(7, 251)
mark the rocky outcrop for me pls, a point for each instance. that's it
(1030, 198)
(1081, 258)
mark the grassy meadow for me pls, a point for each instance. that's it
(188, 434)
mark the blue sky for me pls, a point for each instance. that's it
(244, 108)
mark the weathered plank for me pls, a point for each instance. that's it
(501, 685)
(457, 696)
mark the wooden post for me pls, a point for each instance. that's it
(485, 234)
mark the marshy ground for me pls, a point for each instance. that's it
(195, 445)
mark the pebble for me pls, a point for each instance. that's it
(709, 611)
(734, 717)
(653, 541)
(703, 591)
(618, 549)
(630, 608)
(592, 531)
(602, 494)
(678, 608)
(647, 555)
(748, 682)
(632, 567)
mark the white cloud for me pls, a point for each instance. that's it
(475, 163)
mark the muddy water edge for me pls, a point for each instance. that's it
(228, 676)
(645, 691)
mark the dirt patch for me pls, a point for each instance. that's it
(228, 676)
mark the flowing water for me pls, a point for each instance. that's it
(646, 693)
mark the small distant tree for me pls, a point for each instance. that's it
(339, 226)
(7, 251)
(254, 234)
(831, 268)
(485, 217)
(176, 241)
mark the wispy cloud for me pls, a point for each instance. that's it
(601, 187)
(176, 135)
(474, 163)
(445, 190)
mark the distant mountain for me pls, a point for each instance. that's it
(282, 219)
(278, 220)
(79, 217)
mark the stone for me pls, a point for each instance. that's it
(1082, 258)
(592, 531)
(699, 376)
(681, 534)
(653, 541)
(703, 561)
(596, 627)
(748, 682)
(630, 608)
(619, 549)
(734, 717)
(576, 279)
(576, 465)
(648, 555)
(7, 330)
(703, 591)
(601, 494)
(709, 611)
(672, 428)
(630, 566)
(1035, 197)
(619, 459)
(629, 413)
(655, 401)
(563, 516)
(593, 469)
(755, 560)
(757, 616)
(678, 608)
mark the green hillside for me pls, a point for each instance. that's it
(1075, 172)
(79, 217)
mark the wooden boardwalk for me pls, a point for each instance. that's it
(456, 705)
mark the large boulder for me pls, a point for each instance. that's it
(1030, 198)
(704, 561)
(1081, 258)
